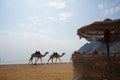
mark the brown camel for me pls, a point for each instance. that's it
(55, 55)
(37, 55)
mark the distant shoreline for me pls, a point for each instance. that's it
(32, 64)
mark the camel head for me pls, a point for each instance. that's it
(63, 54)
(46, 52)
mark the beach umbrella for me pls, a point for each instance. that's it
(106, 31)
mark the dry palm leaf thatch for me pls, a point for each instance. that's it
(95, 30)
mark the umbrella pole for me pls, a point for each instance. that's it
(107, 49)
(108, 63)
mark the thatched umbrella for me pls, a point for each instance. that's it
(96, 31)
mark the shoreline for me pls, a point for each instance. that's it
(9, 64)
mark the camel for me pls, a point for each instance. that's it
(55, 55)
(37, 55)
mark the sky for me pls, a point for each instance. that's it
(48, 26)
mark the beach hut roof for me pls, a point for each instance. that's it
(95, 30)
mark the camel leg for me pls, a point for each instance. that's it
(41, 60)
(36, 61)
(30, 60)
(48, 60)
(56, 60)
(52, 60)
(60, 60)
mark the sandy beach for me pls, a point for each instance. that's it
(58, 71)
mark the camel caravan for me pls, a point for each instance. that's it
(37, 55)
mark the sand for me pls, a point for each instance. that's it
(56, 71)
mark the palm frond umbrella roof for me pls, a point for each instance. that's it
(95, 30)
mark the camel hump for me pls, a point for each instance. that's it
(37, 52)
(55, 53)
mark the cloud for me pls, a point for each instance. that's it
(62, 16)
(109, 9)
(34, 19)
(31, 21)
(57, 4)
(52, 18)
(102, 6)
(6, 32)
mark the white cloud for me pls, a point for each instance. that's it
(31, 21)
(52, 18)
(63, 16)
(34, 19)
(102, 6)
(6, 32)
(109, 9)
(26, 25)
(57, 4)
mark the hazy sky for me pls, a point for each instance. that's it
(48, 25)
